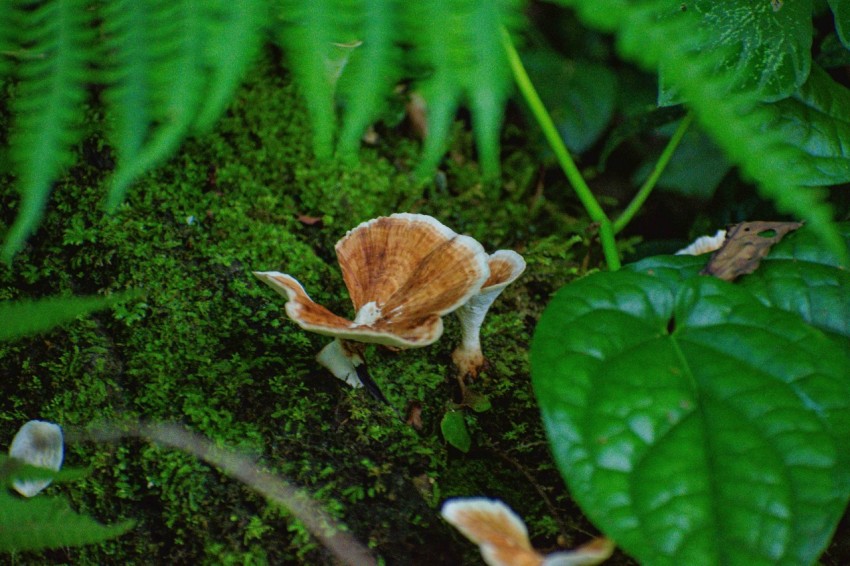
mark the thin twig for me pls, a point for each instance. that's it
(341, 544)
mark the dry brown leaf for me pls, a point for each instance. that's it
(745, 246)
(414, 415)
(309, 220)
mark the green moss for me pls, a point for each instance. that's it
(208, 346)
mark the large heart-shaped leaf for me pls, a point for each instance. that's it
(799, 275)
(693, 423)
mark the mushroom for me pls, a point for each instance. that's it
(704, 244)
(505, 266)
(503, 537)
(38, 443)
(403, 273)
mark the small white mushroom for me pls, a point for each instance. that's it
(704, 244)
(503, 537)
(403, 273)
(38, 443)
(505, 267)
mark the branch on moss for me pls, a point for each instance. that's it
(341, 544)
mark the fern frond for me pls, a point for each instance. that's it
(234, 32)
(733, 118)
(308, 31)
(47, 108)
(490, 77)
(48, 522)
(173, 67)
(374, 68)
(460, 41)
(164, 82)
(8, 39)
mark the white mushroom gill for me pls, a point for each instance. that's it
(40, 444)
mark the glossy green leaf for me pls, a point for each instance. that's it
(48, 522)
(816, 121)
(650, 35)
(841, 12)
(767, 44)
(693, 423)
(21, 318)
(799, 275)
(453, 427)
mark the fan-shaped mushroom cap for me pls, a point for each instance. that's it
(503, 540)
(505, 267)
(403, 272)
(38, 443)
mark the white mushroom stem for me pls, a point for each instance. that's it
(505, 266)
(40, 444)
(468, 356)
(341, 361)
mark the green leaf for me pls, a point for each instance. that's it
(21, 318)
(766, 45)
(816, 121)
(235, 34)
(308, 32)
(159, 49)
(459, 42)
(841, 12)
(579, 95)
(47, 107)
(12, 469)
(372, 72)
(694, 424)
(48, 522)
(799, 276)
(646, 33)
(453, 427)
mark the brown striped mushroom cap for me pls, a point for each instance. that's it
(502, 537)
(403, 273)
(505, 266)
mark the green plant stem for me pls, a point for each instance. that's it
(550, 132)
(645, 189)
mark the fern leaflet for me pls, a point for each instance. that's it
(52, 88)
(48, 522)
(234, 33)
(308, 32)
(176, 82)
(374, 68)
(460, 42)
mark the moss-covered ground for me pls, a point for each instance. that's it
(209, 347)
